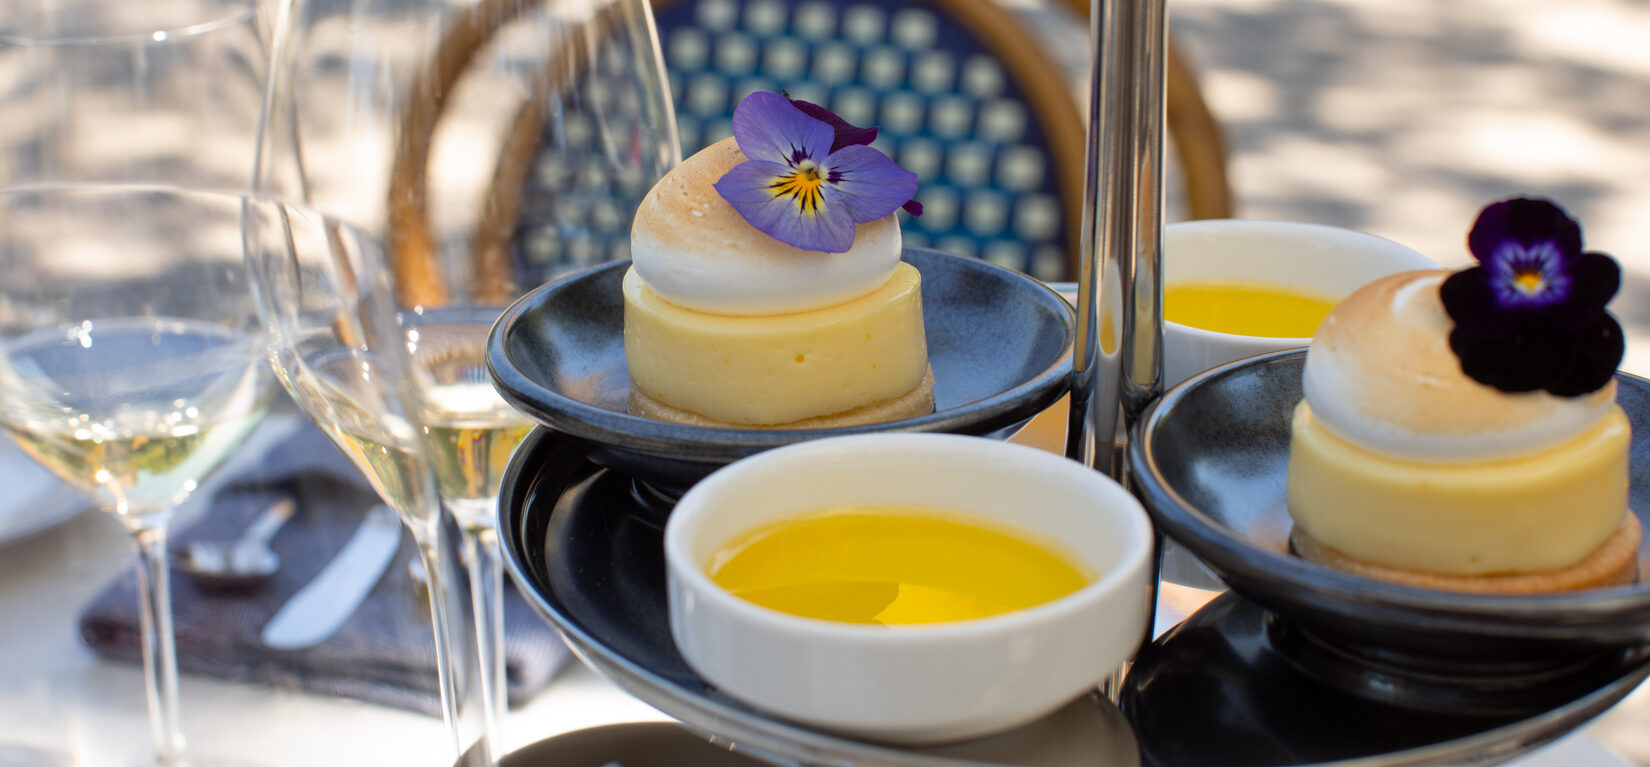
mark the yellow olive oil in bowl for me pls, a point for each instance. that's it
(1246, 308)
(893, 566)
(923, 588)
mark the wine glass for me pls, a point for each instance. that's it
(169, 91)
(518, 149)
(131, 365)
(339, 348)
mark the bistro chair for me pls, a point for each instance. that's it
(966, 93)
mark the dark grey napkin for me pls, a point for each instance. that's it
(385, 653)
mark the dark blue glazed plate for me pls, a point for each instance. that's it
(1000, 344)
(1209, 459)
(589, 557)
(1229, 686)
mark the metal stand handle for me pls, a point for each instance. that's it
(1117, 364)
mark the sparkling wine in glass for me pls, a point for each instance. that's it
(341, 351)
(132, 363)
(591, 133)
(515, 148)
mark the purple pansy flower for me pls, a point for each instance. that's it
(1531, 315)
(810, 178)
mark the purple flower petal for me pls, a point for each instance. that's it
(797, 191)
(1597, 278)
(767, 127)
(1471, 304)
(846, 133)
(1526, 359)
(820, 223)
(1534, 276)
(1599, 350)
(872, 185)
(1528, 222)
(1531, 316)
(913, 207)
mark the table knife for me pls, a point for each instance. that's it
(322, 606)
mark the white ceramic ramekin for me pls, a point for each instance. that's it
(1326, 260)
(913, 684)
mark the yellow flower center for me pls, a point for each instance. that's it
(1528, 281)
(805, 185)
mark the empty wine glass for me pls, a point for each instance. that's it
(168, 91)
(512, 150)
(131, 365)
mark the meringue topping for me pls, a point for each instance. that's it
(694, 250)
(1380, 373)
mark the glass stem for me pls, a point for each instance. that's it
(452, 654)
(159, 648)
(481, 554)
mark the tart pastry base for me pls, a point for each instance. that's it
(918, 401)
(1613, 563)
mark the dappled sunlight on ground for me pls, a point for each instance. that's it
(1403, 117)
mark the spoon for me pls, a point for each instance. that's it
(243, 562)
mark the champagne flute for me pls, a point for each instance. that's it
(131, 365)
(567, 104)
(592, 133)
(340, 350)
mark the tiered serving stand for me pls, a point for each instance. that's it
(1295, 665)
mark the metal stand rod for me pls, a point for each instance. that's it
(1117, 365)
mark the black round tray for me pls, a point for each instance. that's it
(589, 556)
(585, 547)
(999, 342)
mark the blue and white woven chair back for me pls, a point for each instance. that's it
(948, 109)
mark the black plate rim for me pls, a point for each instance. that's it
(1507, 741)
(774, 736)
(611, 428)
(1346, 593)
(787, 743)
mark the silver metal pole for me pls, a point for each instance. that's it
(1118, 365)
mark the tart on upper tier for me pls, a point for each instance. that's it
(727, 325)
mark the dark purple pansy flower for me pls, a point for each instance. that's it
(810, 178)
(1531, 315)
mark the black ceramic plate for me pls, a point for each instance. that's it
(592, 563)
(999, 342)
(632, 744)
(1234, 686)
(1210, 457)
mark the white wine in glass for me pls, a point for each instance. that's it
(470, 430)
(105, 404)
(470, 434)
(518, 137)
(341, 352)
(132, 363)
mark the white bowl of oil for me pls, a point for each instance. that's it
(1235, 288)
(909, 588)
